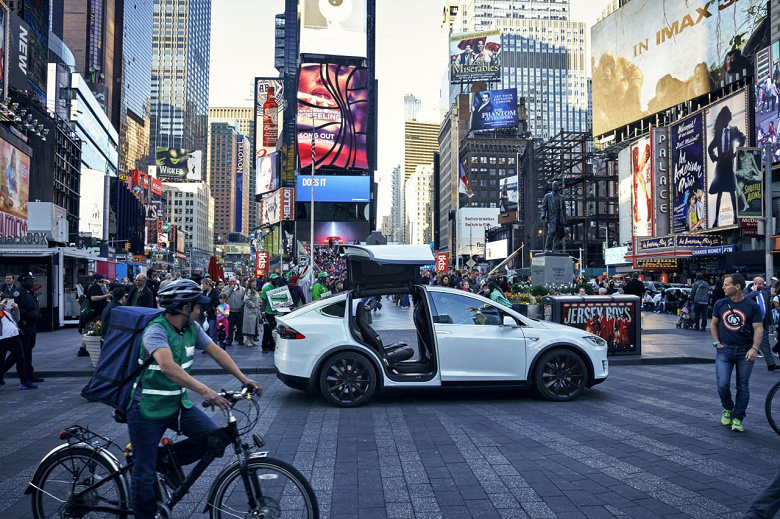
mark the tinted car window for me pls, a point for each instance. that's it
(335, 310)
(458, 309)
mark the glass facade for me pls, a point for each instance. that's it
(181, 52)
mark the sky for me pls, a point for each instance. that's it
(408, 62)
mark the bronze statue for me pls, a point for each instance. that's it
(554, 214)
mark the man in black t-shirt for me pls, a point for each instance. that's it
(737, 328)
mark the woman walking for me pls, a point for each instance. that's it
(251, 312)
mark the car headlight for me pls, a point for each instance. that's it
(596, 341)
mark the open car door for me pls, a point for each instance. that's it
(384, 269)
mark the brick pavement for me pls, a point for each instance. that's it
(646, 443)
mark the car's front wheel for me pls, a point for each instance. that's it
(348, 379)
(560, 375)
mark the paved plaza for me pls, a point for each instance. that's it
(646, 443)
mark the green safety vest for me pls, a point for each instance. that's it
(317, 290)
(160, 397)
(264, 297)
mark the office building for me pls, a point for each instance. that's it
(180, 74)
(244, 116)
(223, 162)
(411, 107)
(191, 208)
(418, 198)
(454, 127)
(421, 141)
(397, 210)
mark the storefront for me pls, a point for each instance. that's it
(57, 272)
(665, 255)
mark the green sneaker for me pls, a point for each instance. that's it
(736, 425)
(726, 418)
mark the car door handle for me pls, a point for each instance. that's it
(443, 332)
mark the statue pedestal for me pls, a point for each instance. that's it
(551, 268)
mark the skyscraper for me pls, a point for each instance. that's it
(222, 177)
(418, 191)
(411, 107)
(180, 74)
(421, 141)
(397, 211)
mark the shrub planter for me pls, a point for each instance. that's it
(92, 343)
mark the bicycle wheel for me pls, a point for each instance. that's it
(772, 408)
(279, 489)
(69, 472)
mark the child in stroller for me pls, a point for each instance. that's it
(686, 316)
(222, 311)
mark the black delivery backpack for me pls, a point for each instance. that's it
(120, 364)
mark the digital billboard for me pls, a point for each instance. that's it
(343, 232)
(277, 206)
(14, 190)
(471, 228)
(726, 129)
(494, 109)
(750, 182)
(36, 15)
(509, 193)
(336, 27)
(334, 188)
(475, 56)
(178, 165)
(650, 55)
(333, 112)
(688, 203)
(269, 116)
(91, 203)
(641, 188)
(267, 174)
(767, 107)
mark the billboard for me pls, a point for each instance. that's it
(14, 190)
(471, 228)
(496, 250)
(494, 109)
(335, 27)
(509, 194)
(767, 108)
(36, 16)
(343, 232)
(688, 203)
(475, 56)
(277, 206)
(239, 201)
(613, 321)
(178, 165)
(332, 112)
(334, 188)
(726, 129)
(659, 138)
(750, 182)
(91, 204)
(641, 188)
(22, 60)
(267, 174)
(654, 54)
(269, 116)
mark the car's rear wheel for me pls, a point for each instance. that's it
(348, 379)
(560, 375)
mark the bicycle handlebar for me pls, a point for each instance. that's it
(233, 396)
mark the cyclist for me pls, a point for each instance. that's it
(159, 398)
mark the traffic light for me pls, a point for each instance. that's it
(127, 246)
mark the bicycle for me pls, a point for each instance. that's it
(83, 476)
(772, 408)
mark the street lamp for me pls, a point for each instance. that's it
(606, 243)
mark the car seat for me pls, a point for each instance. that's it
(423, 326)
(395, 352)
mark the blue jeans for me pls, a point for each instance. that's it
(726, 358)
(145, 436)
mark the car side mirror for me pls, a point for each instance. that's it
(509, 321)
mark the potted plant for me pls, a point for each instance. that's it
(92, 340)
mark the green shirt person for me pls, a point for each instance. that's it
(273, 283)
(320, 287)
(497, 295)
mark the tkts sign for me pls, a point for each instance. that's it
(261, 263)
(442, 261)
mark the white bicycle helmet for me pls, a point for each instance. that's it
(180, 293)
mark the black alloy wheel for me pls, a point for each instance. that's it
(560, 375)
(348, 379)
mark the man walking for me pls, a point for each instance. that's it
(29, 314)
(761, 298)
(737, 321)
(635, 287)
(141, 294)
(700, 295)
(235, 299)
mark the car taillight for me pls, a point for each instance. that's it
(285, 332)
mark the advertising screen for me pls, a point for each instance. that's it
(178, 165)
(688, 203)
(267, 177)
(767, 108)
(334, 188)
(36, 15)
(343, 232)
(494, 109)
(332, 111)
(14, 190)
(726, 129)
(641, 188)
(497, 250)
(750, 182)
(336, 27)
(509, 193)
(475, 56)
(654, 54)
(91, 202)
(269, 116)
(612, 321)
(471, 229)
